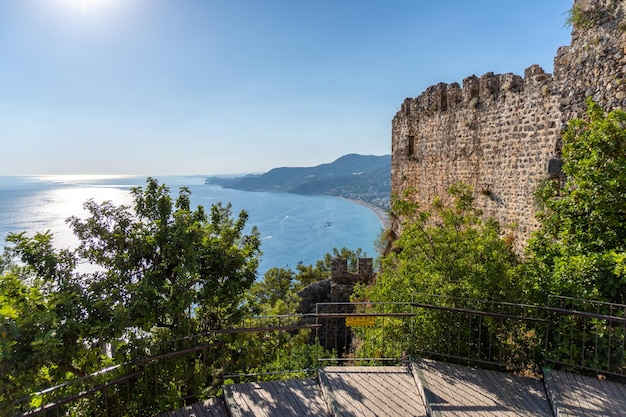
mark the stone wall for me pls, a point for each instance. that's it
(337, 289)
(501, 133)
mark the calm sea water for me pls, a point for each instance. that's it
(294, 228)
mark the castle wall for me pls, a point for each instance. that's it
(501, 133)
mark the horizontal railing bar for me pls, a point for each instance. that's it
(344, 315)
(373, 303)
(279, 316)
(587, 368)
(90, 391)
(356, 359)
(481, 313)
(586, 314)
(177, 353)
(477, 301)
(71, 382)
(582, 300)
(297, 371)
(269, 328)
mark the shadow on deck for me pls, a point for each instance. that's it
(425, 388)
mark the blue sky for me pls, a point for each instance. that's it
(163, 87)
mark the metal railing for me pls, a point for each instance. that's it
(504, 335)
(177, 372)
(572, 334)
(587, 335)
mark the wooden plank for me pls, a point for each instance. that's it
(578, 395)
(200, 410)
(212, 407)
(282, 401)
(300, 398)
(347, 401)
(374, 391)
(231, 404)
(526, 395)
(293, 397)
(249, 401)
(617, 392)
(457, 390)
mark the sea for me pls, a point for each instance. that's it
(294, 229)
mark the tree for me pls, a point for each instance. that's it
(157, 272)
(275, 294)
(448, 251)
(580, 249)
(308, 274)
(45, 336)
(167, 266)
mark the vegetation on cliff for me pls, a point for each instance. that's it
(580, 250)
(447, 251)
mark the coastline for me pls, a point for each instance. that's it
(382, 214)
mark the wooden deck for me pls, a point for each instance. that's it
(455, 390)
(371, 392)
(426, 388)
(577, 395)
(213, 407)
(298, 397)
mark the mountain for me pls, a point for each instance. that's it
(362, 177)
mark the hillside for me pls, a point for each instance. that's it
(362, 177)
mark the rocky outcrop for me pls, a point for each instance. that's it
(337, 289)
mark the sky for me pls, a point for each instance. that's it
(208, 87)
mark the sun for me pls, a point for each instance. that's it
(90, 7)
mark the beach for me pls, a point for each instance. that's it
(382, 214)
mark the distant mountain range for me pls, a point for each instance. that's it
(361, 177)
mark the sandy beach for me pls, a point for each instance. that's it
(382, 214)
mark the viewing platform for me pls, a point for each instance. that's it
(423, 388)
(565, 358)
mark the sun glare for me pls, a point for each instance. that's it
(90, 7)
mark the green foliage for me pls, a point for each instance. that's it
(580, 248)
(160, 271)
(323, 267)
(449, 251)
(273, 354)
(166, 264)
(275, 294)
(46, 337)
(579, 18)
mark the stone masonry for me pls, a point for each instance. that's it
(337, 289)
(501, 134)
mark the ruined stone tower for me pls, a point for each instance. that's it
(501, 134)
